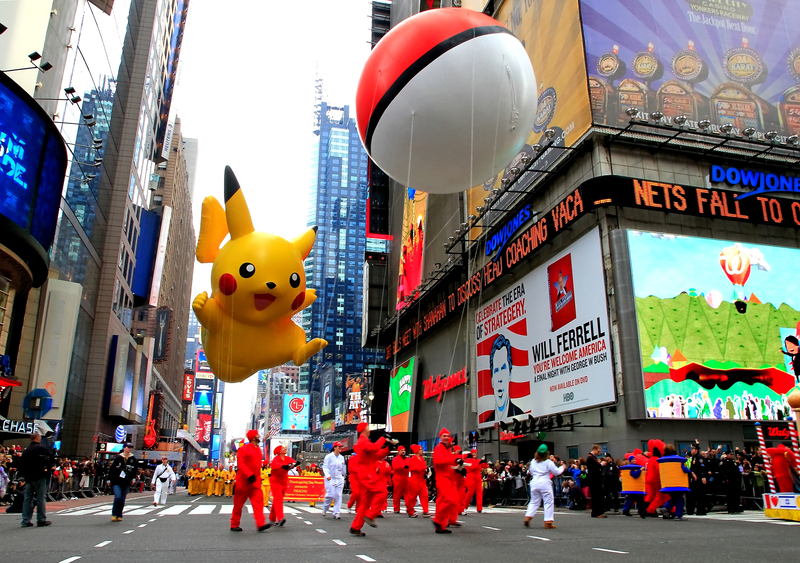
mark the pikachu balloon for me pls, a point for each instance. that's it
(258, 283)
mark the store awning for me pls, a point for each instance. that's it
(184, 435)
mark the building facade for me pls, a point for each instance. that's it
(337, 206)
(622, 278)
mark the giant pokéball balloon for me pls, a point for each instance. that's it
(445, 100)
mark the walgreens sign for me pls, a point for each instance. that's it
(435, 385)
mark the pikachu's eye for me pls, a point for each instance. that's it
(294, 280)
(247, 270)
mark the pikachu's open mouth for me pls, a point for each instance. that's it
(263, 300)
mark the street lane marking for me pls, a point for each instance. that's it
(307, 522)
(71, 559)
(365, 558)
(128, 531)
(176, 509)
(490, 528)
(299, 517)
(145, 510)
(198, 498)
(321, 531)
(152, 520)
(609, 550)
(103, 543)
(226, 509)
(339, 542)
(142, 525)
(311, 509)
(538, 538)
(203, 509)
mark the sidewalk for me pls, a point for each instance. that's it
(99, 499)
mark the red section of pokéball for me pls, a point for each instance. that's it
(403, 46)
(227, 284)
(298, 300)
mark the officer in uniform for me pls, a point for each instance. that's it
(698, 482)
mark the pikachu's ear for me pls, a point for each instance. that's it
(239, 221)
(213, 229)
(305, 242)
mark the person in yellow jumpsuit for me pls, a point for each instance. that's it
(230, 476)
(265, 473)
(191, 476)
(219, 488)
(211, 476)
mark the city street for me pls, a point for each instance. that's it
(196, 530)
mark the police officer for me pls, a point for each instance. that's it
(698, 482)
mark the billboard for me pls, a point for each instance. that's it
(203, 392)
(734, 63)
(412, 244)
(202, 431)
(328, 394)
(718, 323)
(188, 387)
(402, 385)
(551, 34)
(543, 346)
(295, 412)
(162, 335)
(356, 404)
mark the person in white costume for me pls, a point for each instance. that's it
(163, 476)
(334, 469)
(541, 468)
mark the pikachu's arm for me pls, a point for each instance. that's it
(311, 296)
(207, 311)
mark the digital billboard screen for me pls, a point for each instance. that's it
(734, 63)
(400, 406)
(295, 412)
(33, 162)
(718, 323)
(412, 244)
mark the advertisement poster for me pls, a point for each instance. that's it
(734, 63)
(356, 410)
(716, 320)
(543, 347)
(551, 34)
(326, 409)
(412, 241)
(402, 380)
(295, 412)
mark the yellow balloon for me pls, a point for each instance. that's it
(258, 283)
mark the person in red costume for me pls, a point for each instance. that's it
(248, 484)
(279, 480)
(782, 460)
(382, 496)
(369, 482)
(417, 487)
(654, 498)
(460, 476)
(399, 478)
(475, 469)
(352, 477)
(448, 495)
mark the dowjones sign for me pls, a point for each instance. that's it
(760, 182)
(499, 239)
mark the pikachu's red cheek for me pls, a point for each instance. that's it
(227, 284)
(298, 300)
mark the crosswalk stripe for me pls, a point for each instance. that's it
(140, 511)
(125, 510)
(203, 509)
(226, 509)
(310, 509)
(173, 510)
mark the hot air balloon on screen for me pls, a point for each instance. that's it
(736, 264)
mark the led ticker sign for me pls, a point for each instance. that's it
(711, 203)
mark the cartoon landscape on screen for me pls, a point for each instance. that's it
(713, 318)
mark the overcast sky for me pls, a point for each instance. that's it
(246, 92)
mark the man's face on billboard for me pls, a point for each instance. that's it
(501, 373)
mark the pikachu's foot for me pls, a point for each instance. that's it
(302, 354)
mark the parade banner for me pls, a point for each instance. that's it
(310, 489)
(718, 324)
(543, 346)
(731, 62)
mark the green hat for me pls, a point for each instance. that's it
(542, 449)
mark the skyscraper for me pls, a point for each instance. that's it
(337, 205)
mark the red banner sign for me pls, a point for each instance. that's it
(777, 432)
(188, 388)
(305, 489)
